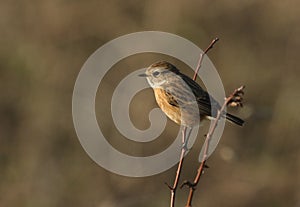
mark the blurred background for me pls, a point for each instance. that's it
(43, 47)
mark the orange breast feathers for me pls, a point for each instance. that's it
(186, 114)
(162, 99)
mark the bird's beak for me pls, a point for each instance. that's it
(143, 75)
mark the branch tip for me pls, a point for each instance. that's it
(236, 99)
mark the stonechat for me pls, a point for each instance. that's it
(182, 99)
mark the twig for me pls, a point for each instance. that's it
(184, 135)
(210, 46)
(179, 168)
(235, 100)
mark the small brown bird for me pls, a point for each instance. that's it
(180, 97)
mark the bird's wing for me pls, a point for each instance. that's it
(204, 100)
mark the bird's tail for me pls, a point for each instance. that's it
(234, 119)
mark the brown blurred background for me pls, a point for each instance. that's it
(43, 47)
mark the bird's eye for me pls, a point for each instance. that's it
(156, 73)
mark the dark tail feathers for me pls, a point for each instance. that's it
(234, 119)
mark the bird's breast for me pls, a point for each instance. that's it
(186, 115)
(163, 102)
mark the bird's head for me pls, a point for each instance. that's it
(159, 73)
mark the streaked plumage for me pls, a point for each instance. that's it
(181, 98)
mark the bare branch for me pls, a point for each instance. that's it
(211, 45)
(179, 168)
(185, 136)
(232, 98)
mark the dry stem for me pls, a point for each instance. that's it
(184, 135)
(229, 100)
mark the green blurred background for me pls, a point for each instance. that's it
(43, 47)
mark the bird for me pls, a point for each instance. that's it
(181, 98)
